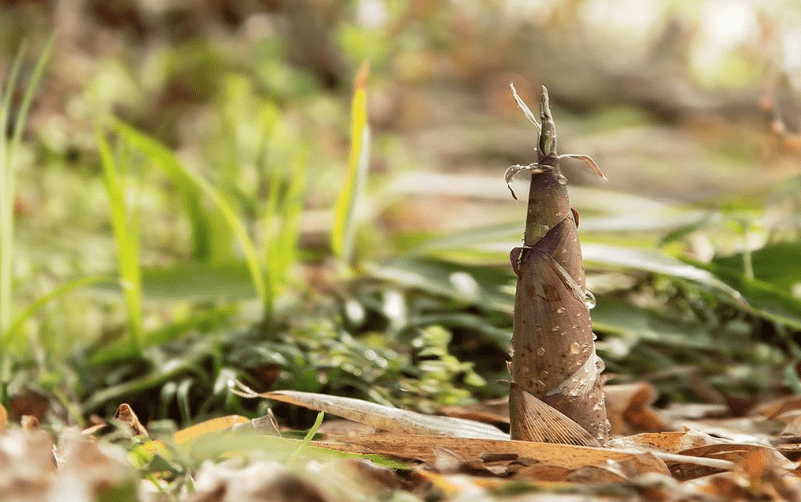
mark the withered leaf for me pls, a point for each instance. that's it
(416, 447)
(628, 408)
(382, 417)
(29, 423)
(127, 416)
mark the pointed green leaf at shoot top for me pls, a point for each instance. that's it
(547, 144)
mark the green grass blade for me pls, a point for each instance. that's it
(293, 457)
(167, 161)
(271, 226)
(257, 275)
(768, 299)
(293, 209)
(118, 350)
(9, 338)
(27, 98)
(156, 377)
(778, 263)
(127, 239)
(203, 235)
(281, 244)
(342, 235)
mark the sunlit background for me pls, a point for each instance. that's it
(244, 207)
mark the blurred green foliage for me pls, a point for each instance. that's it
(197, 180)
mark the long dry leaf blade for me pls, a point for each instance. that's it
(409, 446)
(382, 417)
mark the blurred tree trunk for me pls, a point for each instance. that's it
(554, 364)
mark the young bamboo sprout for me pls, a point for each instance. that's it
(555, 394)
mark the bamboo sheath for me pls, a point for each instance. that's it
(553, 350)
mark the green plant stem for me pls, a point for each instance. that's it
(126, 235)
(293, 457)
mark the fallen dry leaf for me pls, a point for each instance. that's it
(3, 418)
(26, 466)
(773, 409)
(343, 427)
(86, 470)
(668, 442)
(757, 477)
(236, 480)
(419, 447)
(693, 411)
(789, 446)
(90, 470)
(737, 452)
(266, 425)
(28, 403)
(127, 416)
(540, 473)
(755, 430)
(597, 474)
(495, 411)
(29, 423)
(185, 436)
(628, 409)
(379, 416)
(454, 484)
